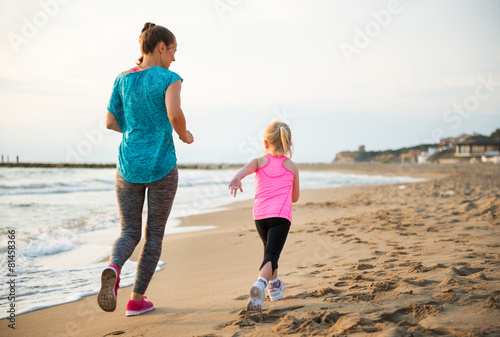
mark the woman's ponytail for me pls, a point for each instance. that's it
(147, 26)
(151, 35)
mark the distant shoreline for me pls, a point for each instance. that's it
(111, 165)
(390, 169)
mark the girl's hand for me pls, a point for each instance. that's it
(234, 185)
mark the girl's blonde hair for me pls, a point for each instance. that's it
(279, 137)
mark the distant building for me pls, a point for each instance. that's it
(479, 149)
(424, 155)
(449, 143)
(349, 156)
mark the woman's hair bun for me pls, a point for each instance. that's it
(150, 36)
(147, 26)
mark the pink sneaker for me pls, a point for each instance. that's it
(137, 308)
(110, 282)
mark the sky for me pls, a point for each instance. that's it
(384, 74)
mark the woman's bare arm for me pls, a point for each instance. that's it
(175, 114)
(112, 123)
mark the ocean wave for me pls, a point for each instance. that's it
(60, 188)
(50, 242)
(55, 184)
(97, 221)
(40, 242)
(95, 185)
(193, 178)
(22, 205)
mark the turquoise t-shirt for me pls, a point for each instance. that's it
(146, 152)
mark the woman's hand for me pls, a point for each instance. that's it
(188, 139)
(234, 185)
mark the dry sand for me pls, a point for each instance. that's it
(387, 260)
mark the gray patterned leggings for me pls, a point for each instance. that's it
(131, 196)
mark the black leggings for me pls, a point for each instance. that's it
(273, 232)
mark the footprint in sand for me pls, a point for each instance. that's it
(382, 286)
(357, 297)
(325, 292)
(242, 297)
(354, 323)
(419, 282)
(362, 266)
(465, 271)
(397, 253)
(251, 318)
(412, 315)
(492, 303)
(306, 322)
(447, 296)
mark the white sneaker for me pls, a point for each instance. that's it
(276, 293)
(256, 299)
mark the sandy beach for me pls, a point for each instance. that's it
(419, 259)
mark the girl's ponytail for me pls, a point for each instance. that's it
(279, 138)
(286, 139)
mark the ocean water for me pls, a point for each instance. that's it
(65, 221)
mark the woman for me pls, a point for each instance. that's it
(145, 108)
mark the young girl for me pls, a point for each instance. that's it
(145, 107)
(276, 188)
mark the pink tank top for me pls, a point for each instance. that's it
(273, 190)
